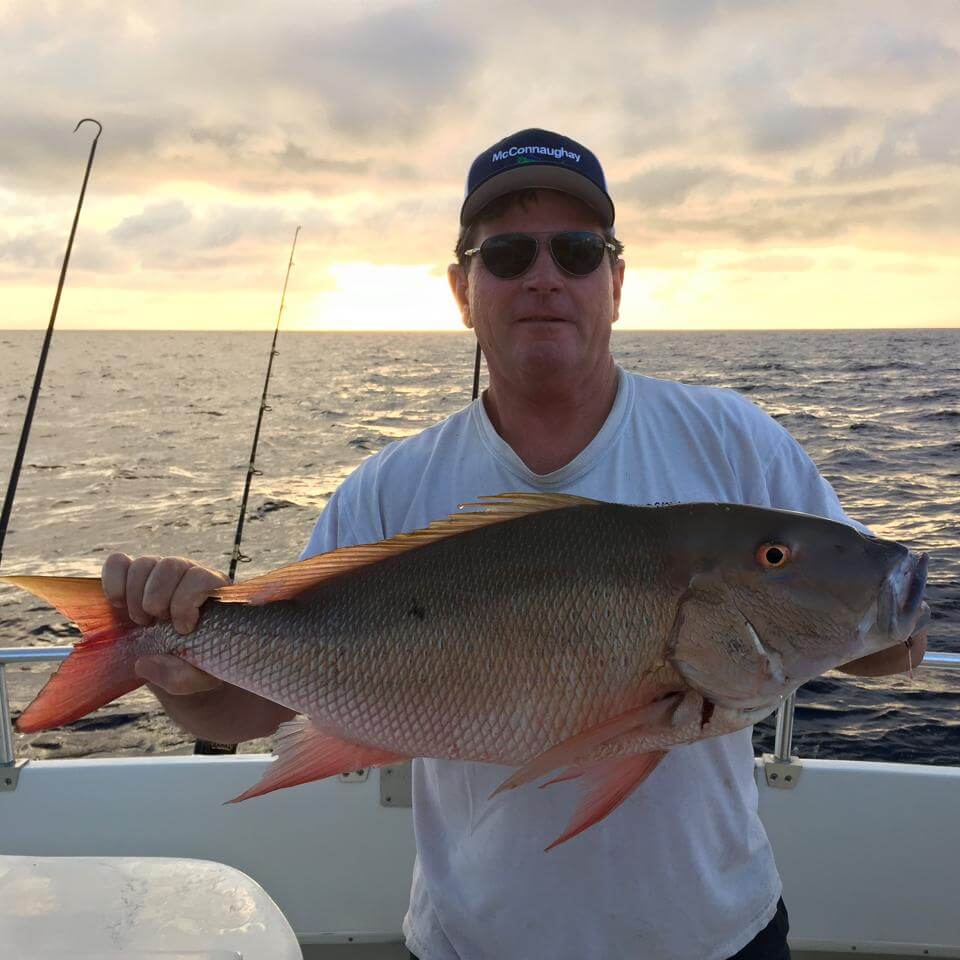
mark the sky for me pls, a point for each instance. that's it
(780, 164)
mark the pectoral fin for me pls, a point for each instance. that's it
(656, 717)
(608, 783)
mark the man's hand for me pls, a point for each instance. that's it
(898, 659)
(172, 588)
(168, 588)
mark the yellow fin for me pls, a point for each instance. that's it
(80, 599)
(286, 582)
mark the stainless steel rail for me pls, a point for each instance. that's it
(783, 737)
(32, 654)
(11, 655)
(942, 661)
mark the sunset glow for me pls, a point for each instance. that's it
(772, 165)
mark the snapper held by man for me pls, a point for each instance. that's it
(552, 633)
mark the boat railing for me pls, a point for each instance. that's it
(8, 657)
(777, 765)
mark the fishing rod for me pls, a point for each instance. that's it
(237, 556)
(209, 747)
(35, 393)
(476, 374)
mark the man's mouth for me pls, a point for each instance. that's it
(542, 318)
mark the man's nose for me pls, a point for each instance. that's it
(544, 275)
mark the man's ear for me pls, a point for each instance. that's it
(459, 287)
(618, 271)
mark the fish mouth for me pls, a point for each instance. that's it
(901, 610)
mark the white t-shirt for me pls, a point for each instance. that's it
(682, 870)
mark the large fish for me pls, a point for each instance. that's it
(547, 632)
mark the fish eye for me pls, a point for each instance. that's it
(773, 555)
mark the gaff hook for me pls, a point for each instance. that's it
(91, 120)
(35, 392)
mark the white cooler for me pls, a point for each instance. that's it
(138, 908)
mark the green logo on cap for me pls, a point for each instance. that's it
(523, 159)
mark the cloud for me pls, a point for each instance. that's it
(403, 64)
(812, 217)
(38, 256)
(789, 126)
(320, 95)
(671, 184)
(719, 123)
(771, 264)
(909, 141)
(156, 219)
(32, 251)
(170, 236)
(663, 186)
(301, 159)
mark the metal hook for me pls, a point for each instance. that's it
(91, 120)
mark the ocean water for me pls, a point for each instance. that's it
(141, 442)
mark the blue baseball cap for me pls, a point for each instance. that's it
(536, 158)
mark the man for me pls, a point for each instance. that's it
(683, 869)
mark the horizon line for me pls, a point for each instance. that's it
(464, 332)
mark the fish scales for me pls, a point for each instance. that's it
(494, 643)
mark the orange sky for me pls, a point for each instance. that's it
(773, 165)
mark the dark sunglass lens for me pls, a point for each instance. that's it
(509, 254)
(578, 253)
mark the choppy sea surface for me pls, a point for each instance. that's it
(141, 443)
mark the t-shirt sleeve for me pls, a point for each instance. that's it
(794, 483)
(331, 530)
(344, 522)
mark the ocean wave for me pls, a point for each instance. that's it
(862, 367)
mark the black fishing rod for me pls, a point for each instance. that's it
(35, 393)
(476, 374)
(209, 747)
(237, 556)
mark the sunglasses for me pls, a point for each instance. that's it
(509, 255)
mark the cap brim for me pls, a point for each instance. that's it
(545, 176)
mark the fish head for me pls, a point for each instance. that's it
(775, 598)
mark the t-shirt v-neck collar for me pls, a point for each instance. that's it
(581, 463)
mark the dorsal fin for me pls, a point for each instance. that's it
(286, 582)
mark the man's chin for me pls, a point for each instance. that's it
(548, 362)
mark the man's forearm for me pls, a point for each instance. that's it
(897, 659)
(227, 714)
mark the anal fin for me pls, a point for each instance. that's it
(306, 753)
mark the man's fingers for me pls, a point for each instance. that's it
(150, 588)
(174, 675)
(195, 586)
(137, 575)
(161, 585)
(113, 579)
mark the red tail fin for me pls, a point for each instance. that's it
(99, 670)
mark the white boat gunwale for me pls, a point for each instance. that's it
(316, 848)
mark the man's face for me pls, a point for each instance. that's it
(544, 327)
